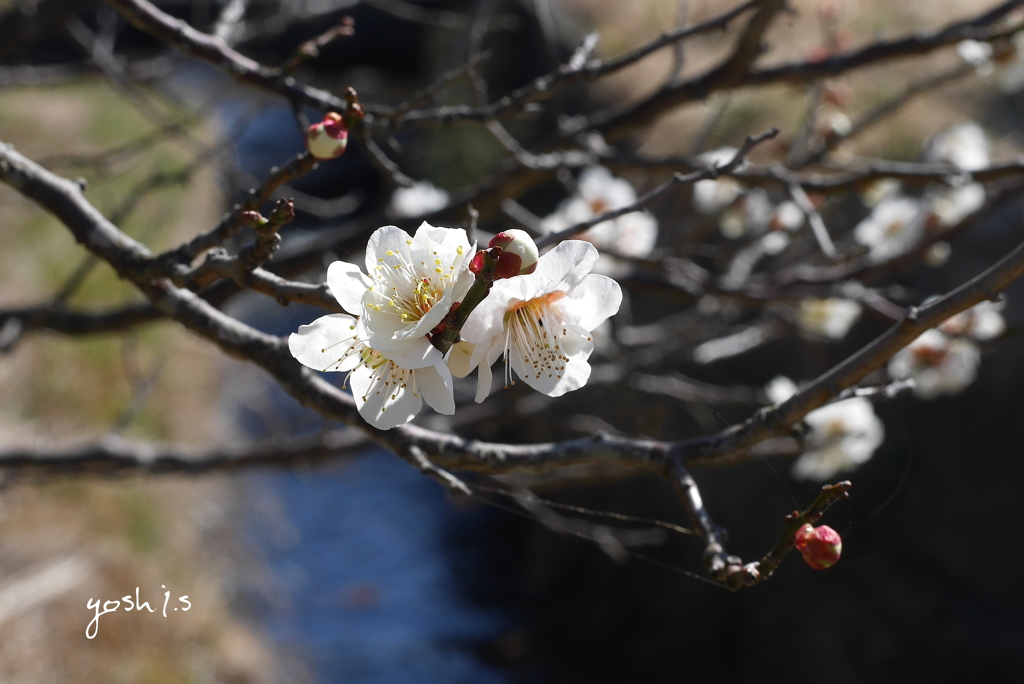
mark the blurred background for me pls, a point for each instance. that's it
(366, 571)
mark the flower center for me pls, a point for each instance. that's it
(388, 377)
(599, 205)
(413, 289)
(929, 356)
(536, 330)
(894, 228)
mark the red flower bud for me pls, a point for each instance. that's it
(508, 265)
(328, 138)
(820, 546)
(517, 243)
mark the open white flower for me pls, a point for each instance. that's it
(832, 317)
(894, 227)
(950, 206)
(420, 199)
(598, 191)
(386, 394)
(841, 436)
(963, 145)
(981, 322)
(541, 322)
(411, 286)
(939, 364)
(711, 196)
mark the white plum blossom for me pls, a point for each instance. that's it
(412, 284)
(950, 206)
(977, 54)
(881, 189)
(981, 322)
(386, 394)
(831, 318)
(780, 389)
(711, 196)
(598, 191)
(751, 215)
(841, 436)
(894, 227)
(937, 363)
(938, 254)
(963, 145)
(1007, 63)
(541, 322)
(420, 199)
(787, 216)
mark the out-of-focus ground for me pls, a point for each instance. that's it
(65, 541)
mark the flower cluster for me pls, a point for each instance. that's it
(897, 223)
(597, 192)
(540, 311)
(945, 360)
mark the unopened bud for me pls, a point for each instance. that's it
(253, 218)
(508, 265)
(518, 243)
(328, 138)
(820, 546)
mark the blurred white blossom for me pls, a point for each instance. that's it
(894, 227)
(841, 436)
(950, 206)
(977, 54)
(419, 200)
(937, 363)
(712, 196)
(981, 322)
(963, 145)
(633, 234)
(832, 317)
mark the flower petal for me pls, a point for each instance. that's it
(594, 299)
(414, 354)
(484, 379)
(382, 399)
(348, 285)
(383, 239)
(460, 359)
(436, 387)
(327, 343)
(575, 374)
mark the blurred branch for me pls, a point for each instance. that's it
(147, 18)
(113, 454)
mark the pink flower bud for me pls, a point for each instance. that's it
(820, 546)
(518, 243)
(328, 138)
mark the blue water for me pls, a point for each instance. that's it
(372, 584)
